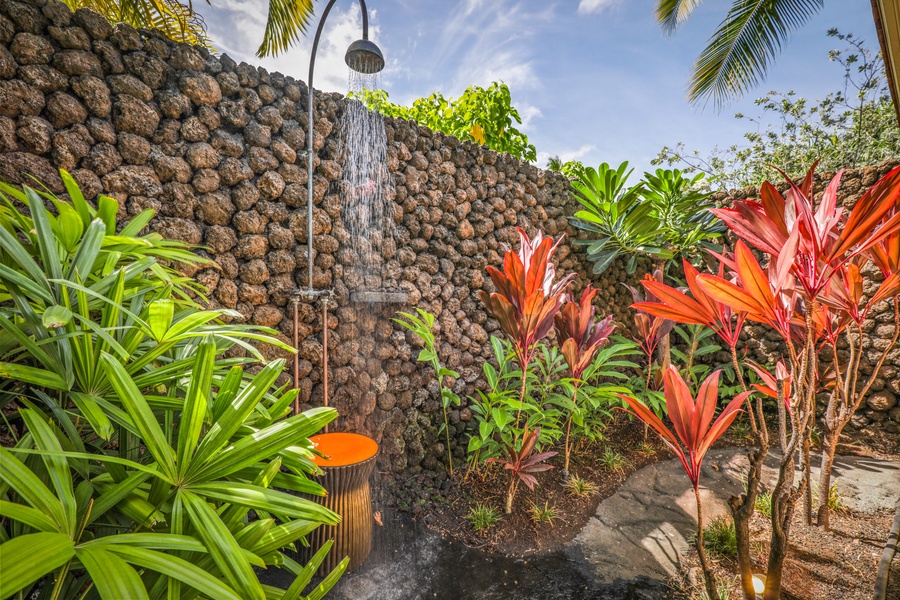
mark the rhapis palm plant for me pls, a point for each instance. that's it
(140, 452)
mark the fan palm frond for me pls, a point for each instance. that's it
(173, 19)
(740, 51)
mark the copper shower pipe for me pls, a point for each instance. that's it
(296, 299)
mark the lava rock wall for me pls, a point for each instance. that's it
(217, 149)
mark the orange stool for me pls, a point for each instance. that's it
(348, 463)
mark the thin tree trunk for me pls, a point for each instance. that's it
(829, 446)
(664, 348)
(741, 510)
(701, 550)
(737, 373)
(565, 472)
(511, 494)
(782, 424)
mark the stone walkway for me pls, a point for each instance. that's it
(643, 530)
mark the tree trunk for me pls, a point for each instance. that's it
(807, 480)
(741, 510)
(829, 446)
(664, 348)
(782, 424)
(701, 550)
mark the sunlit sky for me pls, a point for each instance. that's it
(594, 80)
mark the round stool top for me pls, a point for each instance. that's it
(342, 449)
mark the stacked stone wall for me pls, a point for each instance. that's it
(218, 150)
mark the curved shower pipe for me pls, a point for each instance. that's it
(362, 56)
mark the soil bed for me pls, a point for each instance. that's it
(517, 534)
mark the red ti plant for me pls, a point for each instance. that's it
(580, 337)
(694, 433)
(697, 309)
(816, 246)
(527, 297)
(523, 464)
(651, 329)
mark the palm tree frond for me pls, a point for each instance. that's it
(739, 53)
(173, 19)
(671, 14)
(286, 21)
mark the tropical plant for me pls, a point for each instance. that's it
(421, 327)
(763, 504)
(485, 116)
(853, 126)
(698, 309)
(569, 168)
(695, 432)
(140, 453)
(618, 218)
(285, 21)
(580, 337)
(482, 516)
(527, 297)
(682, 207)
(578, 486)
(543, 514)
(523, 464)
(739, 53)
(77, 288)
(663, 216)
(807, 293)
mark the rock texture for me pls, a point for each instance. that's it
(218, 150)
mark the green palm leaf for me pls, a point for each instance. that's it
(34, 555)
(740, 51)
(113, 577)
(286, 21)
(673, 13)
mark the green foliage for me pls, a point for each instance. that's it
(835, 499)
(569, 168)
(481, 115)
(663, 216)
(142, 452)
(719, 537)
(853, 126)
(421, 326)
(548, 400)
(764, 504)
(612, 460)
(578, 486)
(483, 516)
(542, 514)
(286, 20)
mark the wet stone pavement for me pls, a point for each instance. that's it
(411, 562)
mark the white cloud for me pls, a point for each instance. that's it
(237, 26)
(566, 155)
(528, 113)
(595, 6)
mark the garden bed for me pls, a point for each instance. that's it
(840, 563)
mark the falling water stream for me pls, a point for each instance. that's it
(364, 210)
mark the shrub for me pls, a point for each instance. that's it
(145, 451)
(719, 537)
(542, 514)
(613, 461)
(580, 487)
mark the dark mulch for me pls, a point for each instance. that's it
(517, 534)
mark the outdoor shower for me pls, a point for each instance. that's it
(363, 56)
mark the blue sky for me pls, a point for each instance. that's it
(594, 80)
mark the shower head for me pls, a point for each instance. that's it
(364, 56)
